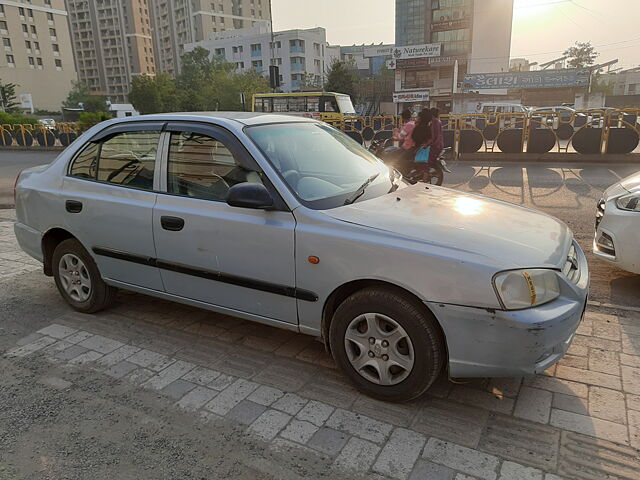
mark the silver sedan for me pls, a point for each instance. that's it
(288, 222)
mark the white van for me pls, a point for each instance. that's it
(490, 108)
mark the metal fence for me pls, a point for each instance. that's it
(587, 132)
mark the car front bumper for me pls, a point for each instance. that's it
(617, 236)
(499, 343)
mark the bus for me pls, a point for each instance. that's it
(325, 106)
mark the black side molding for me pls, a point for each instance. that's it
(253, 284)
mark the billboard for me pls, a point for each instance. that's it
(379, 51)
(576, 77)
(417, 51)
(410, 97)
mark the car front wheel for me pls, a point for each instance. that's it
(78, 279)
(387, 343)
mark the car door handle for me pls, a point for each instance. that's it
(173, 224)
(73, 206)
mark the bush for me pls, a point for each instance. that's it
(88, 120)
(16, 119)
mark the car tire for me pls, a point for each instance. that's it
(78, 278)
(413, 356)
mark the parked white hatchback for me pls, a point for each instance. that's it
(289, 222)
(617, 238)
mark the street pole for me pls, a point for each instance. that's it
(273, 37)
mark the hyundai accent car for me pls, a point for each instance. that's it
(288, 222)
(617, 238)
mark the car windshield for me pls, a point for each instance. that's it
(322, 166)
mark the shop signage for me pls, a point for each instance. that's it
(457, 24)
(417, 51)
(575, 77)
(411, 97)
(379, 51)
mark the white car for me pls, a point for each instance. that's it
(618, 225)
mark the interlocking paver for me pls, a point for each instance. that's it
(139, 375)
(607, 404)
(315, 412)
(633, 401)
(586, 458)
(558, 385)
(589, 426)
(534, 404)
(221, 382)
(196, 398)
(359, 425)
(479, 398)
(266, 395)
(515, 471)
(118, 355)
(424, 470)
(169, 375)
(631, 379)
(570, 403)
(328, 440)
(151, 360)
(177, 389)
(290, 403)
(57, 331)
(299, 431)
(461, 458)
(200, 375)
(604, 361)
(78, 337)
(32, 347)
(231, 396)
(589, 377)
(101, 344)
(630, 360)
(86, 357)
(634, 428)
(70, 353)
(121, 369)
(357, 455)
(246, 412)
(522, 441)
(400, 453)
(451, 421)
(269, 424)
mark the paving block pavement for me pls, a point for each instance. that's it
(577, 421)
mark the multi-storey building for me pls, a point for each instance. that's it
(303, 56)
(37, 51)
(112, 43)
(474, 35)
(180, 22)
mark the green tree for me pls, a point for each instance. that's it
(8, 99)
(601, 85)
(581, 55)
(310, 83)
(341, 78)
(157, 94)
(81, 96)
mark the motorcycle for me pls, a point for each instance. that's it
(410, 170)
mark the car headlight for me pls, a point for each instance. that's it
(519, 289)
(629, 202)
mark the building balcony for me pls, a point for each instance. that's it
(297, 67)
(256, 53)
(296, 49)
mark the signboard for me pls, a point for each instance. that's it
(412, 62)
(417, 51)
(26, 102)
(411, 97)
(457, 24)
(379, 51)
(449, 60)
(391, 64)
(576, 77)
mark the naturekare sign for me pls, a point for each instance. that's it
(417, 51)
(570, 77)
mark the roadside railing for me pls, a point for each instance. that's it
(586, 132)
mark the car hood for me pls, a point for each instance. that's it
(506, 235)
(632, 183)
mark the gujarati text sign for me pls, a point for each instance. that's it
(576, 77)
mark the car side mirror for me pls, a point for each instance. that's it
(249, 195)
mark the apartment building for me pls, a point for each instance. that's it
(302, 55)
(177, 23)
(112, 42)
(452, 38)
(37, 51)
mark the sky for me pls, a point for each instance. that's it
(542, 29)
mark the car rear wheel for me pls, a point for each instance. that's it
(78, 279)
(387, 343)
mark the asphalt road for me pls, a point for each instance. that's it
(569, 192)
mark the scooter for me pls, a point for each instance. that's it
(394, 157)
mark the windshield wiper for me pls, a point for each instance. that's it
(360, 191)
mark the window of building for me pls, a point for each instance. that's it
(55, 47)
(10, 60)
(58, 64)
(633, 88)
(203, 167)
(219, 52)
(50, 16)
(25, 29)
(21, 11)
(52, 32)
(256, 49)
(34, 30)
(6, 42)
(3, 25)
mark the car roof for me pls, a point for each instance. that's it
(243, 118)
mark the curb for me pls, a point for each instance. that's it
(612, 306)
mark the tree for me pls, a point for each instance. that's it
(310, 83)
(581, 55)
(341, 78)
(157, 94)
(81, 96)
(601, 85)
(8, 99)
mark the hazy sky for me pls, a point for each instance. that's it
(542, 29)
